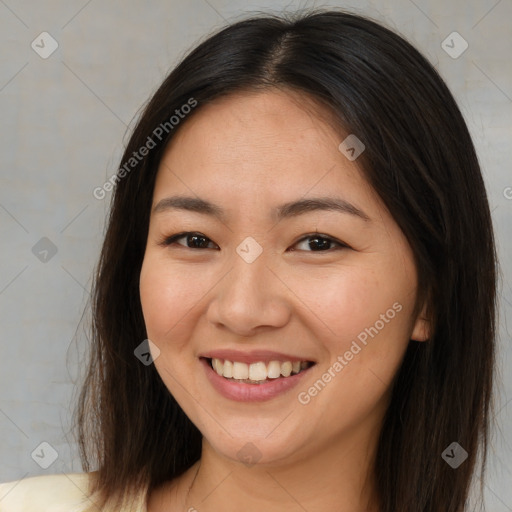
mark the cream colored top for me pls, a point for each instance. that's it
(49, 493)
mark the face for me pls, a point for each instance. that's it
(284, 254)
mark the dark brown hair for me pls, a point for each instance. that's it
(419, 158)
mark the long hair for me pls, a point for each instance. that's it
(420, 160)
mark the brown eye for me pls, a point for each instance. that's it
(312, 243)
(320, 243)
(192, 240)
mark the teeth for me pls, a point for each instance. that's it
(274, 370)
(228, 369)
(286, 369)
(217, 366)
(259, 371)
(240, 371)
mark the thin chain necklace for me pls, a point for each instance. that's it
(193, 480)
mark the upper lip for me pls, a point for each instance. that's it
(253, 356)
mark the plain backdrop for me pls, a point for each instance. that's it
(65, 119)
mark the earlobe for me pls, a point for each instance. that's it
(422, 327)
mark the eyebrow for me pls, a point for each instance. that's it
(284, 211)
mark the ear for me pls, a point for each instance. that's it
(422, 327)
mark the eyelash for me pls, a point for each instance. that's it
(169, 240)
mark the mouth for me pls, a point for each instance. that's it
(258, 372)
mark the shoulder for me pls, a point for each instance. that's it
(46, 493)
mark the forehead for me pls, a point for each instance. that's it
(259, 131)
(271, 147)
(250, 118)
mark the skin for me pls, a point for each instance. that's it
(249, 153)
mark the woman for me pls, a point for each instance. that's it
(294, 306)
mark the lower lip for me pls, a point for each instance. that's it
(243, 392)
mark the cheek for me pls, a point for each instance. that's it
(168, 296)
(346, 300)
(364, 313)
(364, 319)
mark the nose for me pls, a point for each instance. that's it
(250, 298)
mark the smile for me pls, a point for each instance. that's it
(258, 372)
(255, 381)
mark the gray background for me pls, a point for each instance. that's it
(64, 120)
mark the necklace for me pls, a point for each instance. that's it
(190, 487)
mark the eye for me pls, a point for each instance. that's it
(196, 240)
(320, 243)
